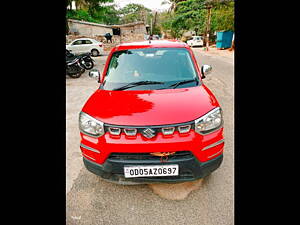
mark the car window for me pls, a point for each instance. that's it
(88, 42)
(166, 65)
(78, 42)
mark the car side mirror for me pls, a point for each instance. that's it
(95, 74)
(205, 69)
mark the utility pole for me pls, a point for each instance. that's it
(151, 26)
(144, 16)
(208, 26)
(155, 18)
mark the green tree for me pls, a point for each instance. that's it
(81, 15)
(96, 6)
(135, 12)
(192, 15)
(185, 15)
(223, 17)
(94, 11)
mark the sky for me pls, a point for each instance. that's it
(151, 4)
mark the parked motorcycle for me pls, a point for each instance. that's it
(85, 59)
(74, 68)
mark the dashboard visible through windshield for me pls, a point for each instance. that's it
(150, 69)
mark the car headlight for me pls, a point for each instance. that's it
(209, 122)
(90, 125)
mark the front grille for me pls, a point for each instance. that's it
(147, 156)
(149, 131)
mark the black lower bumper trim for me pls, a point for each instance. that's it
(189, 169)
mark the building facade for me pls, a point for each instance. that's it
(121, 33)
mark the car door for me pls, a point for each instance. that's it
(88, 46)
(76, 47)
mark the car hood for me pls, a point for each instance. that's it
(151, 107)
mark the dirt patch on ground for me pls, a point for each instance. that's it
(219, 52)
(175, 191)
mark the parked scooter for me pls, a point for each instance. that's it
(85, 59)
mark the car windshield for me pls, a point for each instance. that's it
(149, 69)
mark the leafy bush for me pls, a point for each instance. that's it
(80, 15)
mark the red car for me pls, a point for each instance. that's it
(152, 118)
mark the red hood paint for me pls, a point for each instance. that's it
(151, 107)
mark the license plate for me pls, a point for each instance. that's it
(151, 171)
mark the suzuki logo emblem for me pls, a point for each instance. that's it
(148, 133)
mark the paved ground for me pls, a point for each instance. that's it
(77, 92)
(93, 201)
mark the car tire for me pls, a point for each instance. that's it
(94, 52)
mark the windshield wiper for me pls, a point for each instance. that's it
(134, 84)
(183, 82)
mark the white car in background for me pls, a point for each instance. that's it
(85, 45)
(195, 41)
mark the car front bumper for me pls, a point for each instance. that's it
(190, 168)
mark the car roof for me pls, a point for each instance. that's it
(85, 39)
(151, 44)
